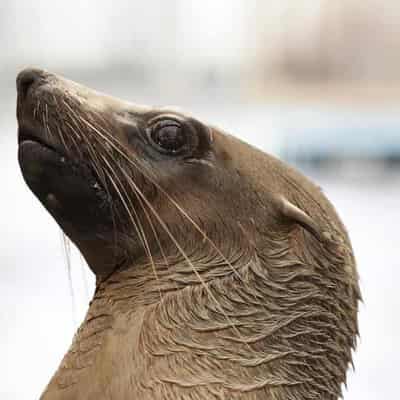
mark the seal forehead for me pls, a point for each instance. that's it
(100, 101)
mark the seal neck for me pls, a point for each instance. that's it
(261, 327)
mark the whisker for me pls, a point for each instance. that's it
(73, 138)
(47, 120)
(179, 208)
(154, 231)
(97, 167)
(96, 162)
(59, 131)
(184, 254)
(84, 277)
(147, 216)
(139, 229)
(67, 253)
(114, 144)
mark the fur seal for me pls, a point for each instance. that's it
(221, 272)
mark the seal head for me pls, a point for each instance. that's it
(221, 271)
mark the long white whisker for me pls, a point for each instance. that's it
(139, 229)
(107, 137)
(183, 253)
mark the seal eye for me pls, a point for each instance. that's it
(169, 136)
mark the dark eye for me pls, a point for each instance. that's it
(169, 136)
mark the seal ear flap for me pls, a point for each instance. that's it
(295, 214)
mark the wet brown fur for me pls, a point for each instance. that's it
(208, 290)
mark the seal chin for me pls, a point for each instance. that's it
(67, 187)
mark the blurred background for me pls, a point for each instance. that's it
(315, 82)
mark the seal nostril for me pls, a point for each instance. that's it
(27, 78)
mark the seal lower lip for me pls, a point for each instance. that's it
(26, 135)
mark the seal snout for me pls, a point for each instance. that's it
(29, 78)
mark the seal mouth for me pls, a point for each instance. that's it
(28, 135)
(35, 148)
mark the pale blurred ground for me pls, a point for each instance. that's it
(315, 82)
